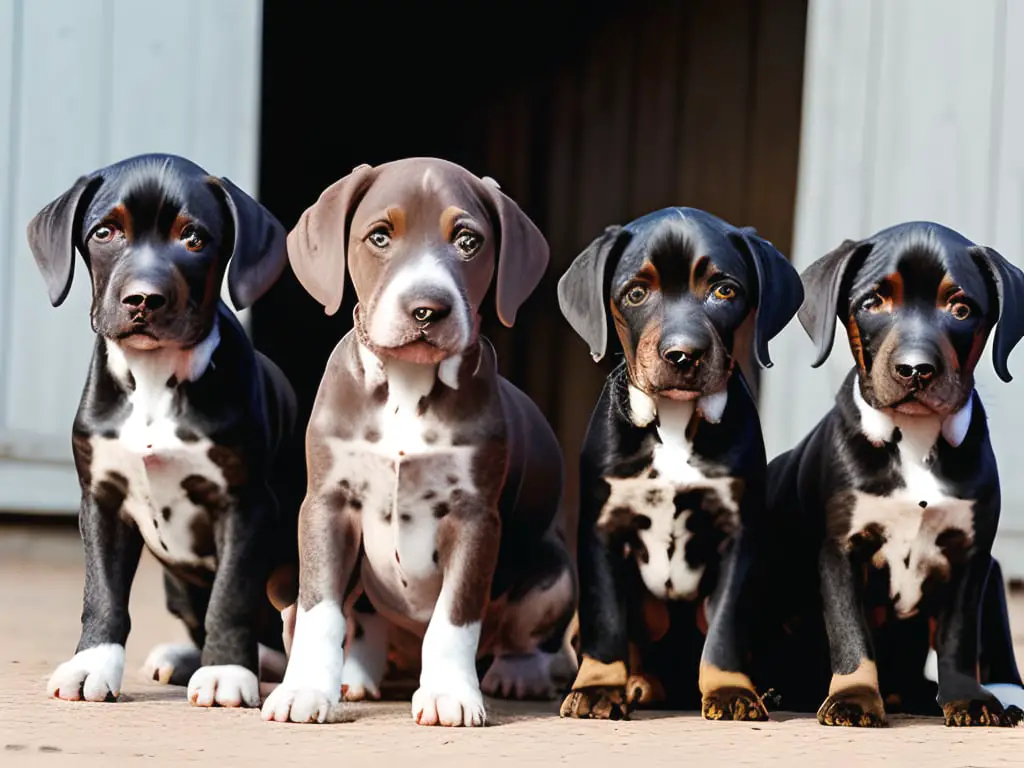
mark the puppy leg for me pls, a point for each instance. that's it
(599, 690)
(727, 692)
(963, 700)
(112, 551)
(999, 674)
(853, 695)
(175, 663)
(366, 657)
(329, 536)
(533, 628)
(230, 656)
(449, 692)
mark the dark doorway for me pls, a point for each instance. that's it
(587, 113)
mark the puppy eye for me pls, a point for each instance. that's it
(380, 238)
(104, 233)
(872, 302)
(960, 310)
(723, 291)
(636, 295)
(192, 238)
(468, 242)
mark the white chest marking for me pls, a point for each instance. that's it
(403, 484)
(912, 518)
(653, 495)
(152, 459)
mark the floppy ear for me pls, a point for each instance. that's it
(523, 257)
(259, 253)
(316, 245)
(823, 285)
(52, 236)
(779, 291)
(1009, 281)
(581, 291)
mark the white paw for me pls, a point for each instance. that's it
(449, 705)
(520, 677)
(171, 663)
(226, 685)
(357, 683)
(301, 706)
(93, 675)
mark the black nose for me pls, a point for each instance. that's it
(429, 310)
(140, 300)
(682, 357)
(916, 366)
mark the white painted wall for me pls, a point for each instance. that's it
(84, 83)
(913, 109)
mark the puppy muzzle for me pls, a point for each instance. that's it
(688, 364)
(422, 318)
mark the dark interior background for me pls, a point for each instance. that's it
(587, 113)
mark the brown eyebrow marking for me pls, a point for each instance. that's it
(449, 216)
(947, 290)
(396, 215)
(121, 217)
(179, 223)
(701, 271)
(890, 290)
(649, 273)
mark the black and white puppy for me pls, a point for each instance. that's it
(672, 469)
(890, 505)
(183, 428)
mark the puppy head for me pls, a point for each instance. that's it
(678, 283)
(156, 233)
(420, 237)
(918, 301)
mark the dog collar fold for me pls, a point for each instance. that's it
(878, 426)
(643, 408)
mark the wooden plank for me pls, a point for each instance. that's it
(62, 123)
(39, 488)
(657, 86)
(10, 65)
(832, 202)
(152, 68)
(1006, 234)
(226, 82)
(774, 144)
(603, 198)
(714, 111)
(932, 115)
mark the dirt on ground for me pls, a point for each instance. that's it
(153, 725)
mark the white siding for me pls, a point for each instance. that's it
(84, 83)
(912, 110)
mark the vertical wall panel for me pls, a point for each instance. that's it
(912, 110)
(86, 83)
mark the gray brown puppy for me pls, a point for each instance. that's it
(434, 484)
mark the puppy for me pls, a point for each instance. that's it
(434, 484)
(887, 510)
(179, 436)
(672, 468)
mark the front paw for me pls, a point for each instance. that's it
(520, 677)
(90, 675)
(860, 707)
(451, 705)
(597, 702)
(301, 705)
(733, 704)
(975, 712)
(172, 663)
(227, 685)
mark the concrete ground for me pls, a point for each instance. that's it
(153, 725)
